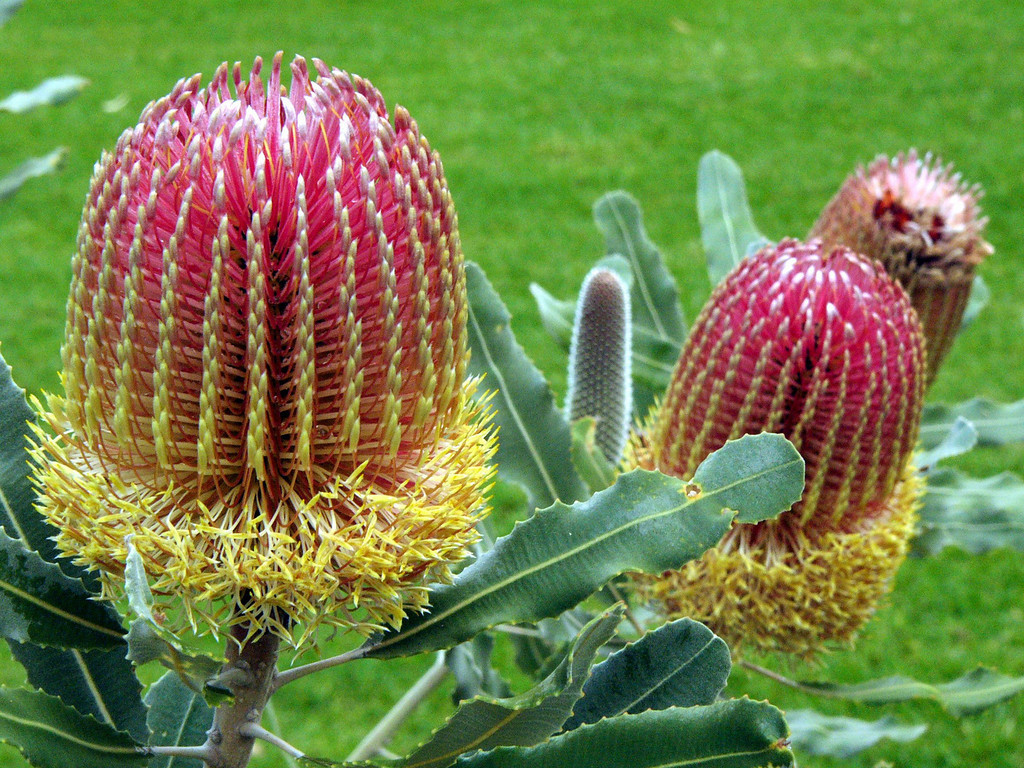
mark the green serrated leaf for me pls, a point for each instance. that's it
(645, 522)
(961, 437)
(98, 683)
(979, 689)
(727, 227)
(178, 717)
(657, 316)
(534, 446)
(18, 516)
(996, 423)
(148, 642)
(470, 665)
(976, 515)
(818, 734)
(730, 734)
(976, 302)
(682, 664)
(53, 735)
(590, 463)
(39, 604)
(50, 92)
(524, 720)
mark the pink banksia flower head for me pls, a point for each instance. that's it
(823, 347)
(265, 360)
(922, 221)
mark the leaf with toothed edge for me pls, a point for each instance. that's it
(728, 734)
(39, 604)
(485, 723)
(178, 717)
(98, 683)
(645, 522)
(681, 664)
(533, 450)
(53, 735)
(18, 515)
(101, 683)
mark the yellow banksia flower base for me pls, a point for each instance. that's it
(795, 593)
(357, 554)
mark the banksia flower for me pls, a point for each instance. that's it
(600, 384)
(823, 347)
(265, 359)
(923, 223)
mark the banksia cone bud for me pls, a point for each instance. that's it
(600, 384)
(823, 347)
(923, 223)
(265, 359)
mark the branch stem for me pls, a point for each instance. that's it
(195, 753)
(256, 731)
(290, 675)
(382, 733)
(786, 681)
(249, 670)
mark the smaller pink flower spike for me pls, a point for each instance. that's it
(923, 223)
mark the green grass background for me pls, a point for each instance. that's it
(537, 111)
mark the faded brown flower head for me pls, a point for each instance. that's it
(823, 347)
(265, 359)
(922, 221)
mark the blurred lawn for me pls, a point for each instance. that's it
(536, 112)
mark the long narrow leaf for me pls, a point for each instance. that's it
(726, 225)
(977, 690)
(97, 683)
(39, 604)
(996, 423)
(730, 734)
(534, 446)
(52, 735)
(682, 664)
(645, 522)
(976, 515)
(818, 734)
(178, 717)
(657, 317)
(524, 720)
